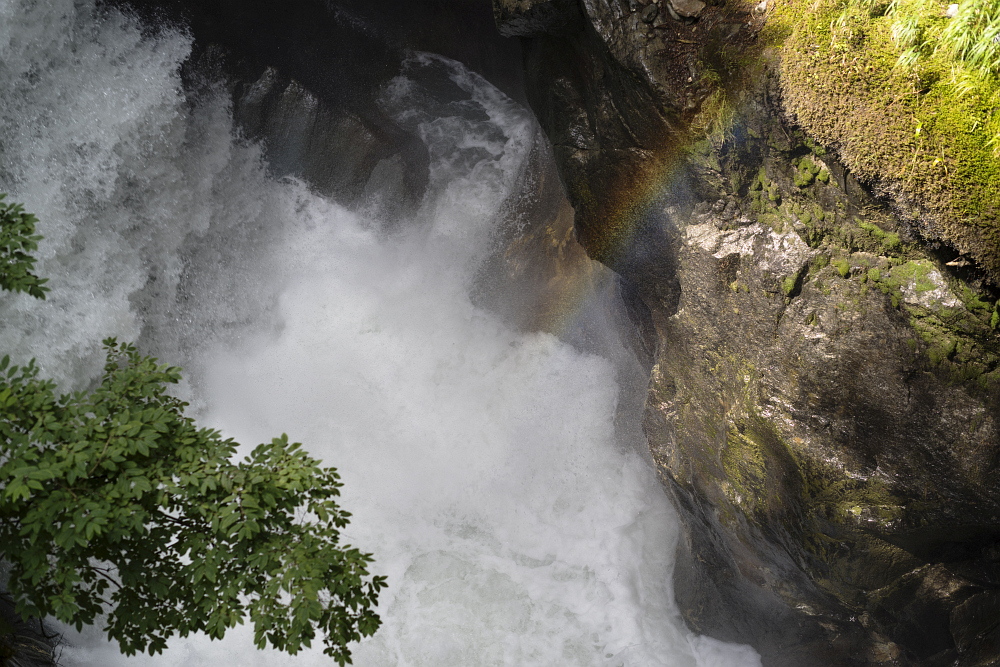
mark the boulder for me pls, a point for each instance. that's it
(690, 9)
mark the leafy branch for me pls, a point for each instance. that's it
(17, 241)
(114, 502)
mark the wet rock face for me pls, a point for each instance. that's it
(615, 86)
(534, 18)
(833, 476)
(824, 401)
(305, 77)
(352, 159)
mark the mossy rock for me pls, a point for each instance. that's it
(917, 138)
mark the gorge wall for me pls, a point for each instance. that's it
(824, 403)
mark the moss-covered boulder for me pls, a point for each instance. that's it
(924, 135)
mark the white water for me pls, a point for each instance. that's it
(480, 463)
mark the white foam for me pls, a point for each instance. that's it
(480, 463)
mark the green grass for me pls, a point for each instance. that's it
(968, 45)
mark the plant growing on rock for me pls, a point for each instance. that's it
(907, 96)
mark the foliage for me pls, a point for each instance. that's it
(115, 502)
(921, 28)
(17, 240)
(968, 43)
(973, 36)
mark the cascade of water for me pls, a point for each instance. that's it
(479, 462)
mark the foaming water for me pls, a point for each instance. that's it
(480, 463)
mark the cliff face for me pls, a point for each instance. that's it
(824, 401)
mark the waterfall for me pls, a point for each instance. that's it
(481, 463)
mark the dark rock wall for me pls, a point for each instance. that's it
(22, 644)
(823, 404)
(609, 127)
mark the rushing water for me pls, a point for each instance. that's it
(481, 463)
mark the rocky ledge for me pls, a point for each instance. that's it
(824, 398)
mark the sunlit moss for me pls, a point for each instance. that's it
(924, 127)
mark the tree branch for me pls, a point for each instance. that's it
(103, 574)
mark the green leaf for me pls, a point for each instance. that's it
(120, 484)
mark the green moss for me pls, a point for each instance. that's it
(957, 341)
(916, 272)
(744, 465)
(702, 154)
(805, 172)
(861, 507)
(929, 132)
(773, 219)
(889, 241)
(702, 147)
(944, 350)
(788, 285)
(761, 473)
(802, 179)
(811, 234)
(773, 194)
(902, 275)
(972, 300)
(995, 320)
(843, 267)
(814, 147)
(872, 229)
